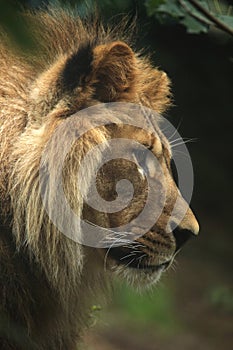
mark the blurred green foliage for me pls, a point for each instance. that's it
(222, 297)
(15, 25)
(94, 314)
(173, 10)
(152, 307)
(185, 12)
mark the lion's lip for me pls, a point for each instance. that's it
(162, 266)
(137, 262)
(153, 268)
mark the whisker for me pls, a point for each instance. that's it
(183, 142)
(173, 141)
(139, 245)
(127, 256)
(176, 130)
(181, 138)
(129, 262)
(140, 259)
(113, 240)
(106, 255)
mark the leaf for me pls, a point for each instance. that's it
(193, 26)
(171, 8)
(191, 9)
(182, 14)
(152, 5)
(96, 308)
(228, 20)
(204, 4)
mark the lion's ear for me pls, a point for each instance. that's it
(114, 67)
(156, 89)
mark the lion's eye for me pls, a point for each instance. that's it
(145, 161)
(140, 155)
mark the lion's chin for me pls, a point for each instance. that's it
(141, 279)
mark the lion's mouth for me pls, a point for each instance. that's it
(136, 261)
(145, 268)
(153, 268)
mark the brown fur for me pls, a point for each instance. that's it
(46, 279)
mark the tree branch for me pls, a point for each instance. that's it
(219, 24)
(187, 9)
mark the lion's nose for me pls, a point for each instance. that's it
(182, 236)
(186, 228)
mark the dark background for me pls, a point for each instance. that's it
(193, 307)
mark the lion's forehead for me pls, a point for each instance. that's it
(154, 139)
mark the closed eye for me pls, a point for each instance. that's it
(145, 161)
(140, 156)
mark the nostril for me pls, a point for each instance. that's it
(181, 237)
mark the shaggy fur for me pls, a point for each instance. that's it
(46, 279)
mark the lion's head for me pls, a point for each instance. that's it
(86, 71)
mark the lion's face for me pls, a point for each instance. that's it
(81, 78)
(147, 256)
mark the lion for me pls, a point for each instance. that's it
(48, 280)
